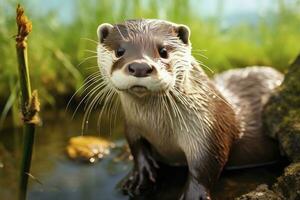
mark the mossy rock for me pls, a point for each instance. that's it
(281, 118)
(282, 113)
(288, 185)
(262, 192)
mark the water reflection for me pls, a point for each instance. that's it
(62, 178)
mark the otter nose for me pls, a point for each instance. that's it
(139, 69)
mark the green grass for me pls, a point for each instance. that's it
(57, 48)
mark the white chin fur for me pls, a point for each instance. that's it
(124, 81)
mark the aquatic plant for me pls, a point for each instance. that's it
(29, 100)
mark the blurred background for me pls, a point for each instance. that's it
(230, 33)
(225, 34)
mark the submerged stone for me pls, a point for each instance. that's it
(88, 148)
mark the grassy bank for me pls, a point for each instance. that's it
(58, 46)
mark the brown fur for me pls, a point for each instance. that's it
(250, 89)
(217, 121)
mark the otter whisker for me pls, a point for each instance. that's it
(94, 75)
(173, 108)
(106, 97)
(194, 108)
(199, 50)
(87, 113)
(202, 64)
(208, 89)
(86, 59)
(200, 54)
(102, 84)
(87, 95)
(176, 107)
(116, 108)
(90, 51)
(110, 109)
(184, 101)
(91, 40)
(92, 67)
(92, 104)
(88, 107)
(188, 106)
(107, 104)
(168, 111)
(93, 91)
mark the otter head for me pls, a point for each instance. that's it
(143, 56)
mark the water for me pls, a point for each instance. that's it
(57, 177)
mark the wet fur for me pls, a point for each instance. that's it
(247, 90)
(196, 121)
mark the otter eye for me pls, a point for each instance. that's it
(163, 52)
(120, 52)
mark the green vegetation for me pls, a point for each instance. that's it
(57, 47)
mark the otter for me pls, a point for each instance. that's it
(175, 114)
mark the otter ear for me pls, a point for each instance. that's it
(183, 32)
(103, 31)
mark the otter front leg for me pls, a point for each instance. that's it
(195, 189)
(204, 170)
(144, 170)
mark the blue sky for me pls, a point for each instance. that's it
(232, 10)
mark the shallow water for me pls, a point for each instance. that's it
(57, 177)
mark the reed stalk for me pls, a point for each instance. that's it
(29, 100)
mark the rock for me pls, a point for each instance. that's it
(262, 192)
(282, 122)
(88, 148)
(288, 185)
(282, 113)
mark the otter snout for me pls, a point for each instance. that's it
(140, 69)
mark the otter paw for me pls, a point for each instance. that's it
(140, 179)
(195, 196)
(195, 191)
